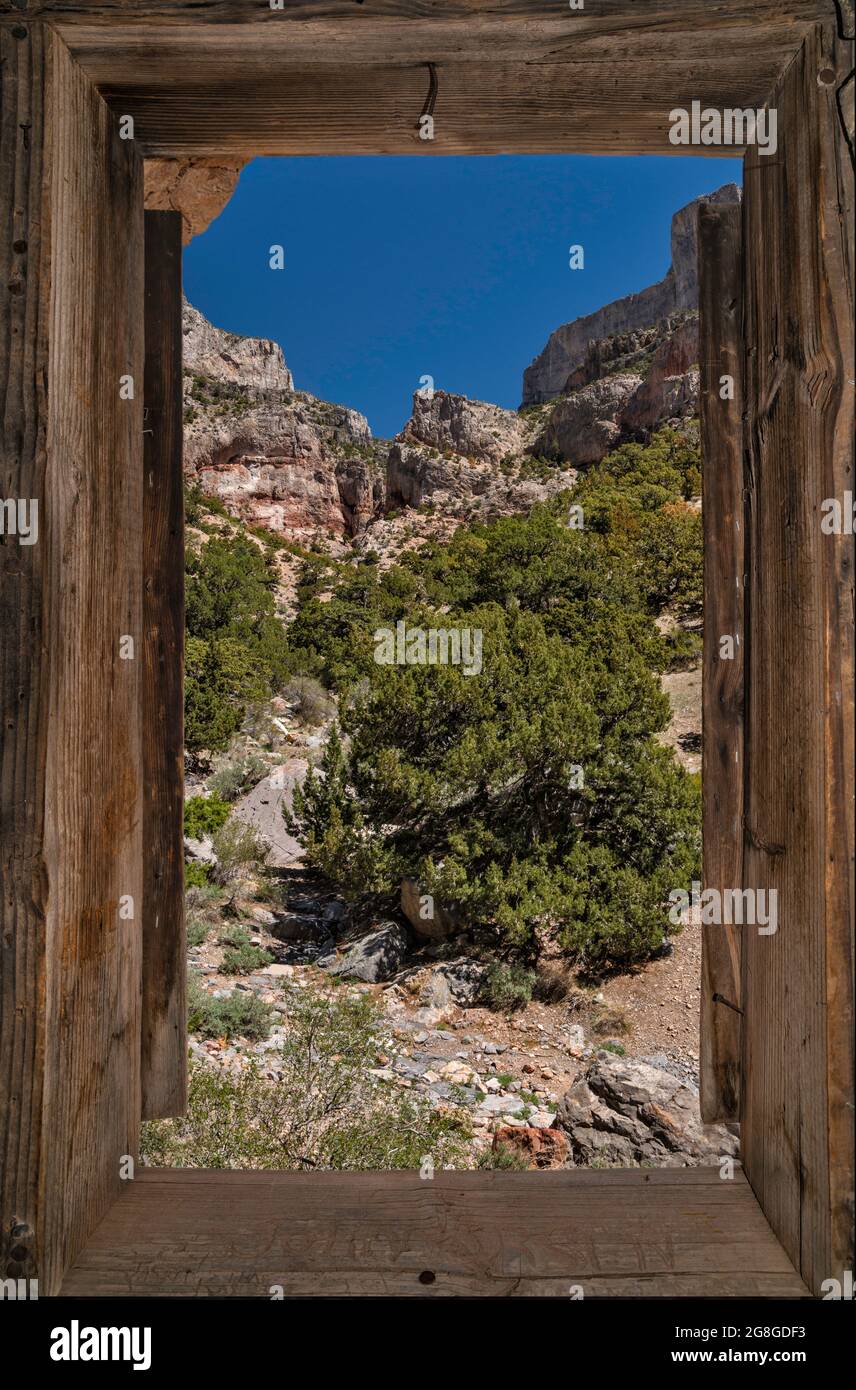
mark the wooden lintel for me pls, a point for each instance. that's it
(515, 76)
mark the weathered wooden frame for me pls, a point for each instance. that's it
(89, 797)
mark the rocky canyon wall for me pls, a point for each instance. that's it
(568, 345)
(283, 458)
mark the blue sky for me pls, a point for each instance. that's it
(457, 268)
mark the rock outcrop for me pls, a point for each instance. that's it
(209, 352)
(585, 425)
(471, 429)
(669, 392)
(197, 188)
(567, 348)
(276, 457)
(628, 1112)
(467, 458)
(627, 387)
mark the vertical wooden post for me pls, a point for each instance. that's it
(164, 1021)
(721, 402)
(71, 376)
(797, 1108)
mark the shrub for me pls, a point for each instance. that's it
(502, 1159)
(233, 779)
(236, 1015)
(466, 783)
(202, 896)
(239, 849)
(553, 983)
(197, 930)
(610, 1021)
(244, 959)
(204, 815)
(195, 876)
(508, 987)
(234, 936)
(328, 1111)
(314, 704)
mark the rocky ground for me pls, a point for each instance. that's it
(608, 1075)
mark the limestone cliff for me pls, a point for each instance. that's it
(276, 457)
(298, 465)
(627, 387)
(568, 346)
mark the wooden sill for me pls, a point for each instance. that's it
(637, 1233)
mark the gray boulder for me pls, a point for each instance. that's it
(374, 958)
(199, 851)
(466, 981)
(624, 1112)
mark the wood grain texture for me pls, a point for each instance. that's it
(164, 1006)
(24, 658)
(797, 1110)
(614, 103)
(70, 786)
(632, 1233)
(481, 108)
(596, 14)
(159, 53)
(515, 75)
(721, 354)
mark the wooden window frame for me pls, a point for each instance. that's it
(91, 1000)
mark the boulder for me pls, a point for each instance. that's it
(466, 980)
(492, 1106)
(199, 851)
(625, 1112)
(436, 927)
(374, 958)
(298, 926)
(436, 993)
(541, 1148)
